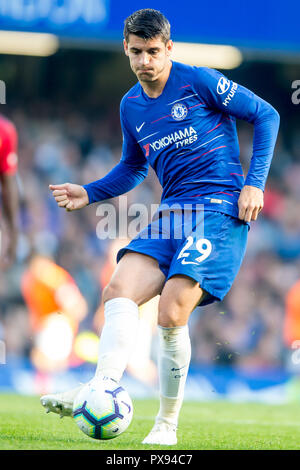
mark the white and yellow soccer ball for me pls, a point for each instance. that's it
(102, 409)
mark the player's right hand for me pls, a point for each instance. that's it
(69, 196)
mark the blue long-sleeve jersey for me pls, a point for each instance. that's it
(188, 135)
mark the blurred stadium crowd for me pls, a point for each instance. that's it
(62, 144)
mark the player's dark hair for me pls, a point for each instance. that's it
(147, 24)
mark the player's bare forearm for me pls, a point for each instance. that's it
(250, 203)
(10, 199)
(70, 196)
(10, 205)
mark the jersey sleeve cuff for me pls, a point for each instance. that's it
(255, 183)
(89, 193)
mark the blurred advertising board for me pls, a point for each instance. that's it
(265, 24)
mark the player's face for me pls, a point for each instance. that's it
(148, 57)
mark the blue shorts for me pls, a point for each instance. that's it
(206, 246)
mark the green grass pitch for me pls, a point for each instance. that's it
(203, 426)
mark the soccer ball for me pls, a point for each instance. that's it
(102, 409)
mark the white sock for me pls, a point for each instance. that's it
(173, 364)
(118, 337)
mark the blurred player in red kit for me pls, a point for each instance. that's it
(9, 191)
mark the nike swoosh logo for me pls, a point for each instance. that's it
(188, 262)
(139, 128)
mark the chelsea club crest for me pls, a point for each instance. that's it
(179, 111)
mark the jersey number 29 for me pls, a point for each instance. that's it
(203, 246)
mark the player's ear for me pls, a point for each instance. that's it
(125, 46)
(169, 47)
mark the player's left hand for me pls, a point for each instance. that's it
(251, 202)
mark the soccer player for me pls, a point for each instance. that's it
(9, 189)
(52, 297)
(181, 120)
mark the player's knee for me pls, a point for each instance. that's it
(170, 316)
(116, 289)
(112, 291)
